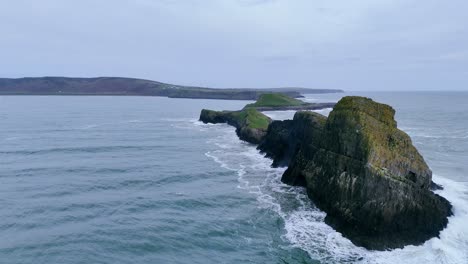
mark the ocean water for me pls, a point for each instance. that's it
(140, 180)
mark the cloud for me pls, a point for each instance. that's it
(240, 43)
(255, 2)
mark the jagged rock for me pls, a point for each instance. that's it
(284, 137)
(362, 171)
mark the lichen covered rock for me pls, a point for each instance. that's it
(362, 171)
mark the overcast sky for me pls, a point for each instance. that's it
(346, 44)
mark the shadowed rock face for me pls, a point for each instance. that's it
(362, 171)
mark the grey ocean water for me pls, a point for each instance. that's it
(140, 180)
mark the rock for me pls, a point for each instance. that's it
(284, 137)
(251, 125)
(362, 171)
(278, 143)
(436, 187)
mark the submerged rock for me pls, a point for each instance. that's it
(251, 125)
(362, 171)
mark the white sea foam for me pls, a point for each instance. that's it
(304, 224)
(11, 138)
(324, 112)
(452, 246)
(289, 114)
(188, 124)
(280, 115)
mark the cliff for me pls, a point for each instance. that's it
(362, 171)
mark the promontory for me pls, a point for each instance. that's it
(359, 168)
(251, 125)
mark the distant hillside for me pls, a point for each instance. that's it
(131, 86)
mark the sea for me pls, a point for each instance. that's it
(103, 179)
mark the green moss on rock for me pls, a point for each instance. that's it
(252, 118)
(363, 171)
(251, 125)
(274, 100)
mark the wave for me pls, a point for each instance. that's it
(304, 224)
(451, 246)
(80, 149)
(421, 132)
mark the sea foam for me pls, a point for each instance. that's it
(304, 224)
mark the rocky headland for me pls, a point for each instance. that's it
(251, 125)
(360, 169)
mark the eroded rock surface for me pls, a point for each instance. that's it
(362, 171)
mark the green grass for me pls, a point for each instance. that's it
(275, 99)
(252, 118)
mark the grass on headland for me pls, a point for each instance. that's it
(252, 118)
(275, 99)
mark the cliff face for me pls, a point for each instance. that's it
(283, 138)
(362, 171)
(251, 125)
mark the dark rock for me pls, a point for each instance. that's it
(283, 138)
(436, 187)
(362, 171)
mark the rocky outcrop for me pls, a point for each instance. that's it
(283, 138)
(362, 171)
(251, 125)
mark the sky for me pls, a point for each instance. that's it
(346, 44)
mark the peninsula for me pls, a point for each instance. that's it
(251, 125)
(358, 167)
(135, 87)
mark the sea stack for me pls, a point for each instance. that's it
(362, 171)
